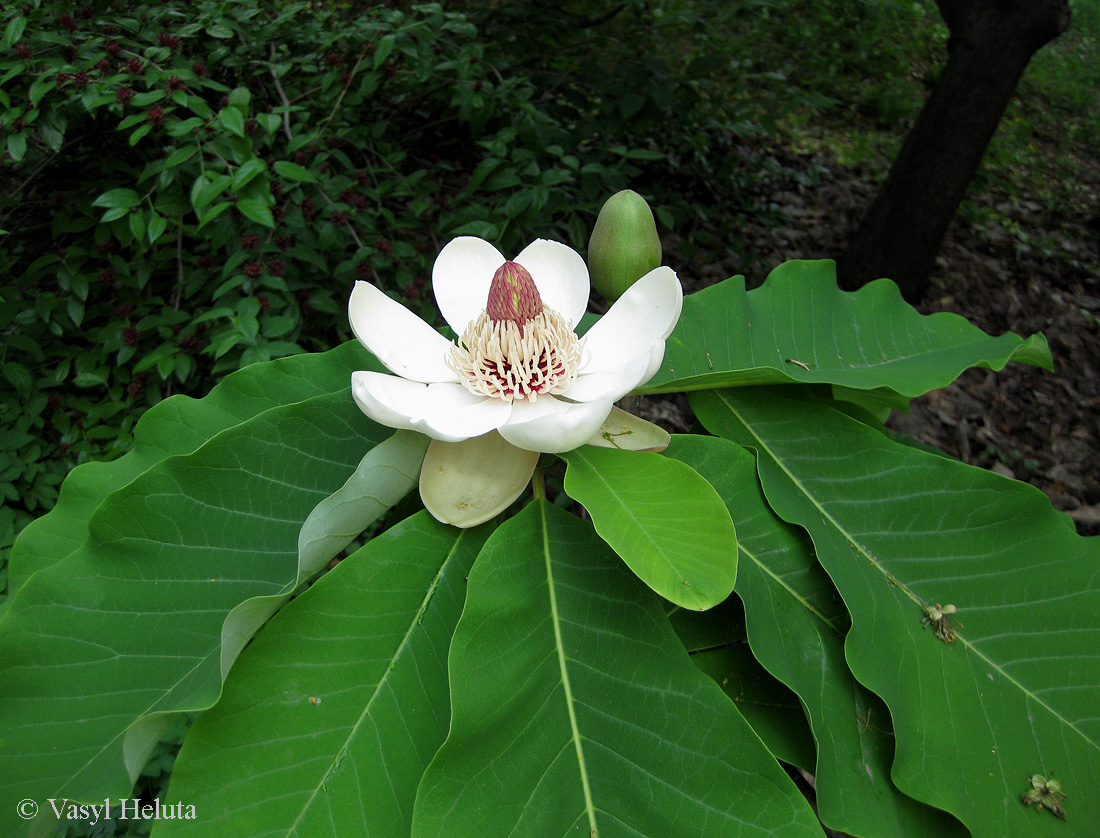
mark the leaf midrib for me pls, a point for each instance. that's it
(559, 648)
(341, 752)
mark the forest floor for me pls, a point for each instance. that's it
(1021, 267)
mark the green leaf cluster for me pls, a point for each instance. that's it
(658, 648)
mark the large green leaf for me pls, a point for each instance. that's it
(330, 716)
(575, 709)
(796, 627)
(798, 327)
(680, 540)
(144, 603)
(899, 530)
(718, 644)
(177, 426)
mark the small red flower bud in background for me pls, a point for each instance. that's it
(383, 246)
(135, 65)
(250, 126)
(113, 48)
(81, 79)
(253, 269)
(131, 335)
(106, 277)
(249, 240)
(339, 218)
(124, 95)
(68, 22)
(174, 83)
(363, 269)
(155, 115)
(198, 68)
(263, 302)
(24, 51)
(276, 267)
(284, 243)
(104, 66)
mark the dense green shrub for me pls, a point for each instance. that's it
(193, 186)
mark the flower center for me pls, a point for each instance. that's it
(517, 347)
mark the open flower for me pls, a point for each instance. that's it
(518, 381)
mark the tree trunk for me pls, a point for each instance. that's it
(991, 42)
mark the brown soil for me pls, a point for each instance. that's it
(1030, 270)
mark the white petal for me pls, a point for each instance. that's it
(614, 383)
(561, 276)
(551, 425)
(630, 433)
(467, 483)
(646, 313)
(442, 411)
(461, 278)
(398, 338)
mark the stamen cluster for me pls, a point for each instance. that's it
(508, 360)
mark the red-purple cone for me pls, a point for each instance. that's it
(513, 295)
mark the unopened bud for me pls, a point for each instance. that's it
(513, 295)
(624, 246)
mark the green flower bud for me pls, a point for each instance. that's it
(624, 246)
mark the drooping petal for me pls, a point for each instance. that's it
(442, 411)
(612, 383)
(561, 276)
(467, 483)
(646, 313)
(630, 433)
(551, 425)
(461, 278)
(398, 338)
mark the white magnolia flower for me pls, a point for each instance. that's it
(518, 381)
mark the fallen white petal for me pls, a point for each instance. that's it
(561, 276)
(467, 483)
(461, 278)
(404, 343)
(630, 433)
(553, 426)
(442, 411)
